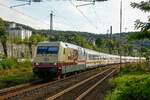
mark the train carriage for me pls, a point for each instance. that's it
(53, 59)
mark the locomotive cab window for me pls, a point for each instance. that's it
(47, 50)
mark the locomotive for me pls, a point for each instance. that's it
(57, 58)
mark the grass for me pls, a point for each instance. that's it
(132, 83)
(13, 73)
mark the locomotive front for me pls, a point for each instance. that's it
(45, 63)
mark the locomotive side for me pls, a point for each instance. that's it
(53, 59)
(56, 58)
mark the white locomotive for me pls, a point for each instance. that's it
(54, 59)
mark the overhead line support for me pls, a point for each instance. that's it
(120, 32)
(93, 2)
(51, 24)
(29, 3)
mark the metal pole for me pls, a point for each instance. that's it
(109, 39)
(51, 21)
(110, 32)
(120, 31)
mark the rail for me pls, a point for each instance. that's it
(58, 95)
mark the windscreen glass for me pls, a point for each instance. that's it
(47, 50)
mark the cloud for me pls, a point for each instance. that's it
(108, 14)
(19, 16)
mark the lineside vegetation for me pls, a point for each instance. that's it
(14, 73)
(132, 83)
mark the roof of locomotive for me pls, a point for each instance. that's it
(63, 44)
(48, 42)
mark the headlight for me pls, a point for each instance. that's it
(55, 63)
(36, 63)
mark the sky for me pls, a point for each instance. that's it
(91, 18)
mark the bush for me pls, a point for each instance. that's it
(8, 63)
(134, 68)
(131, 87)
(13, 72)
(1, 67)
(133, 83)
(16, 79)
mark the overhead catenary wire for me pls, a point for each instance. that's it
(28, 3)
(67, 22)
(81, 12)
(61, 17)
(19, 12)
(97, 16)
(55, 10)
(36, 19)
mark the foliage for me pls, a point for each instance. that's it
(3, 36)
(2, 30)
(77, 39)
(98, 42)
(16, 40)
(131, 84)
(8, 63)
(143, 5)
(133, 87)
(144, 26)
(134, 68)
(18, 78)
(35, 38)
(139, 35)
(17, 73)
(11, 63)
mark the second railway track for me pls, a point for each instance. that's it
(45, 90)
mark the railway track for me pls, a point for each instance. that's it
(45, 90)
(19, 87)
(83, 88)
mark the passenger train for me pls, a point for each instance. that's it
(54, 59)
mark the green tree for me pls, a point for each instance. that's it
(98, 42)
(144, 26)
(33, 40)
(138, 35)
(116, 47)
(3, 36)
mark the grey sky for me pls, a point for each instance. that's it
(98, 19)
